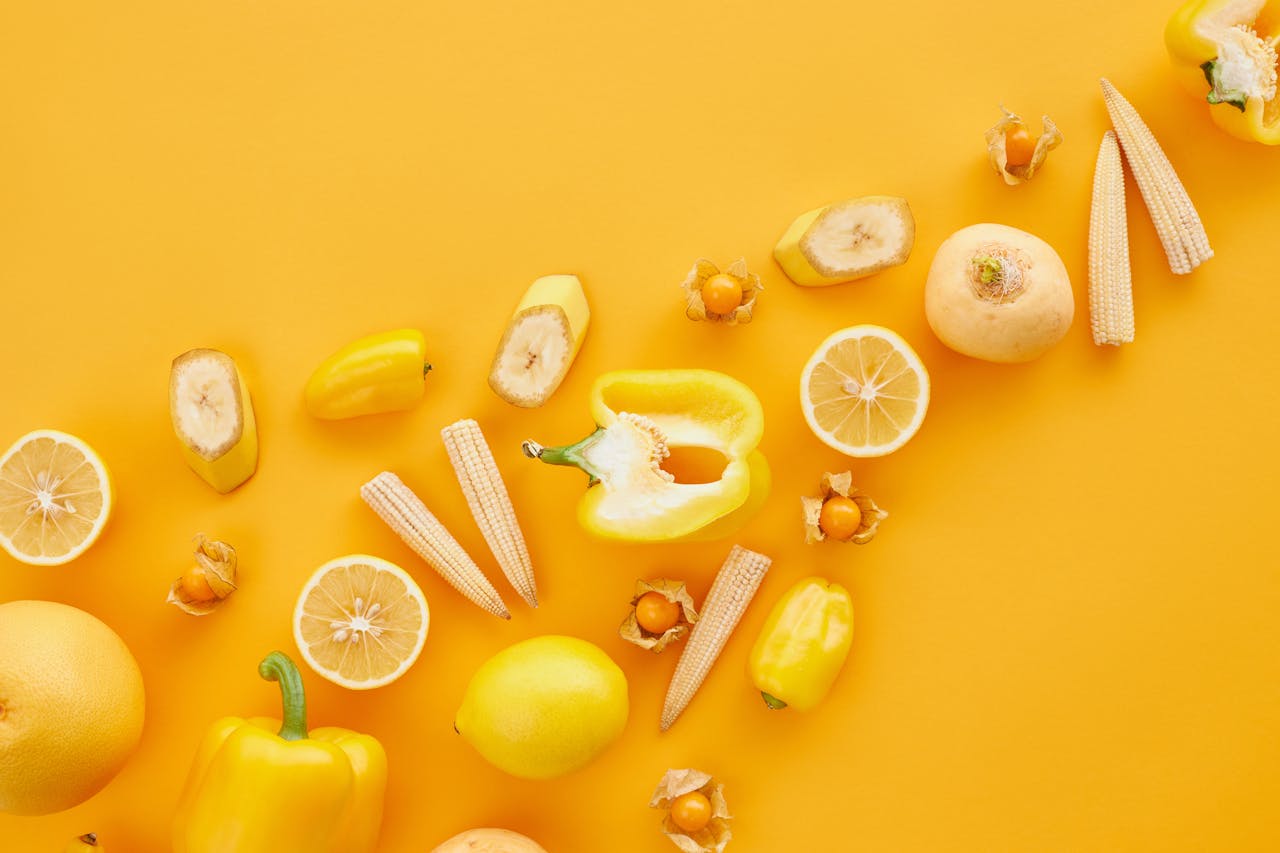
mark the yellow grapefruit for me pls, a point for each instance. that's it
(71, 706)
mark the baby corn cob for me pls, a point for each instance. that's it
(732, 591)
(1175, 218)
(1110, 280)
(490, 504)
(402, 510)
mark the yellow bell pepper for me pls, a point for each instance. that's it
(673, 457)
(379, 373)
(803, 645)
(1225, 51)
(253, 790)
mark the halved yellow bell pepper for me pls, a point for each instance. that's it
(255, 790)
(1226, 52)
(803, 645)
(385, 372)
(673, 457)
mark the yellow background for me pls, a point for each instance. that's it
(1067, 628)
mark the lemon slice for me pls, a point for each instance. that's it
(360, 621)
(55, 496)
(865, 391)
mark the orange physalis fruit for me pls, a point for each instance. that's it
(840, 517)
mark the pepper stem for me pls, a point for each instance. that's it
(279, 668)
(1217, 94)
(774, 703)
(90, 838)
(568, 454)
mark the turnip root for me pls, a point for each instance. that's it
(489, 841)
(998, 294)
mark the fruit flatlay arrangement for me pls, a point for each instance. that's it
(665, 455)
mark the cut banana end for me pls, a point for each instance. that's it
(213, 418)
(541, 341)
(847, 240)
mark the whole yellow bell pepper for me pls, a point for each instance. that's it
(379, 373)
(1223, 55)
(255, 790)
(673, 456)
(803, 645)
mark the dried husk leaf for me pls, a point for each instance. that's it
(703, 269)
(671, 590)
(1050, 138)
(841, 484)
(713, 837)
(216, 562)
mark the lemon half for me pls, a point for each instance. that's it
(864, 391)
(360, 621)
(55, 498)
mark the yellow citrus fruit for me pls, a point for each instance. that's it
(864, 391)
(71, 706)
(55, 497)
(360, 621)
(544, 707)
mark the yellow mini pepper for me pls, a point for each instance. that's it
(379, 373)
(673, 457)
(1226, 55)
(803, 645)
(253, 790)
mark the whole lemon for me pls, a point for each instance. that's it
(71, 706)
(544, 707)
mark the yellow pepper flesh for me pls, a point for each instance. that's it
(1204, 37)
(379, 373)
(644, 415)
(761, 481)
(253, 790)
(803, 645)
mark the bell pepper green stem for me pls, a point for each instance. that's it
(1217, 94)
(568, 454)
(774, 703)
(279, 668)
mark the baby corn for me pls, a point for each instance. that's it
(1177, 223)
(732, 591)
(1110, 279)
(402, 510)
(490, 504)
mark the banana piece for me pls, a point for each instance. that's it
(541, 341)
(85, 844)
(213, 418)
(847, 240)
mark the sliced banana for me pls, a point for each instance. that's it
(541, 341)
(847, 240)
(213, 418)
